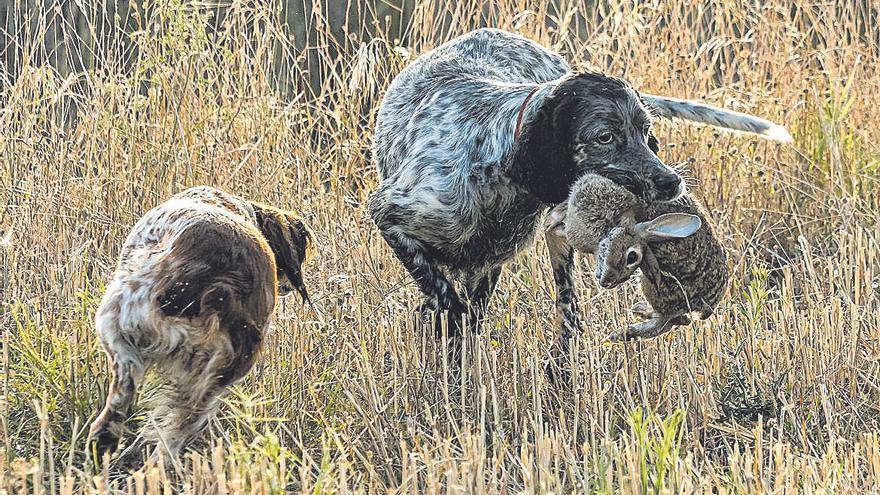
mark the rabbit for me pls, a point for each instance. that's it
(683, 266)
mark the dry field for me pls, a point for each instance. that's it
(778, 392)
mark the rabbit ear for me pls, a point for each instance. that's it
(669, 226)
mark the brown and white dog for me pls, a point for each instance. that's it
(194, 292)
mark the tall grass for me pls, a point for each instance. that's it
(777, 392)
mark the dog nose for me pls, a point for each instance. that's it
(667, 184)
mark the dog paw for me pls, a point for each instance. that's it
(103, 438)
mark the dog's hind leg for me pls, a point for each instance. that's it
(440, 295)
(188, 415)
(196, 387)
(417, 258)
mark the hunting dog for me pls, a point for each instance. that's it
(194, 292)
(477, 137)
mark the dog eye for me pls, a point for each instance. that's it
(605, 138)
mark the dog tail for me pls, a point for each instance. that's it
(697, 112)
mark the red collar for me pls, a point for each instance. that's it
(522, 109)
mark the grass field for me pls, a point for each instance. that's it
(778, 392)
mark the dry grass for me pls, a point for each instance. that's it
(777, 392)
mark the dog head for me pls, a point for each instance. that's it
(593, 123)
(291, 242)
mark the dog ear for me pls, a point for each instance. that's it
(304, 240)
(653, 142)
(290, 241)
(543, 163)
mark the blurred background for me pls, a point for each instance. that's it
(310, 40)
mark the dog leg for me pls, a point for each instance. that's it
(478, 291)
(193, 399)
(438, 290)
(393, 221)
(127, 372)
(568, 322)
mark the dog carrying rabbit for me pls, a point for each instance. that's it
(684, 268)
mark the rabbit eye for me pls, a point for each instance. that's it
(632, 258)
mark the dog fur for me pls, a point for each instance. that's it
(193, 294)
(460, 194)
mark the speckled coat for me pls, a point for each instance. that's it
(460, 193)
(443, 147)
(193, 295)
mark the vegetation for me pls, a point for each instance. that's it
(777, 392)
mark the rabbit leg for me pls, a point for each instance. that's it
(652, 327)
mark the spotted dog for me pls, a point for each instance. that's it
(193, 294)
(477, 137)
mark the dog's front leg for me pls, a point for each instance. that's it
(568, 322)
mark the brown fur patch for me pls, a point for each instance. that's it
(290, 241)
(194, 293)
